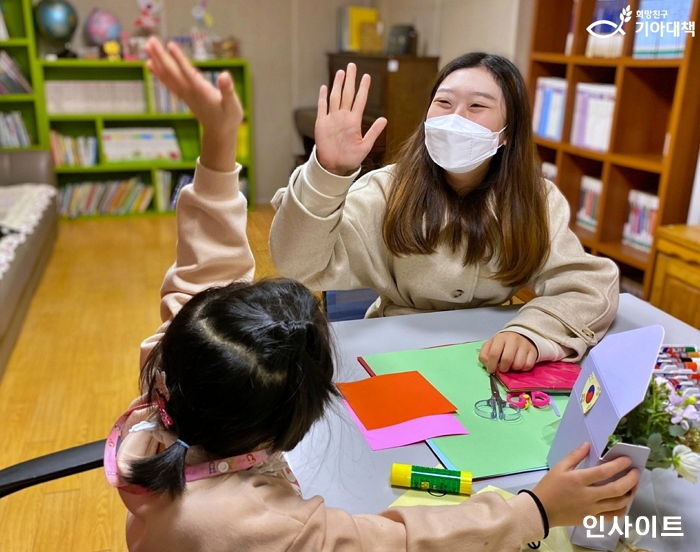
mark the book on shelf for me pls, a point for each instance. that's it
(120, 144)
(638, 231)
(12, 81)
(350, 24)
(166, 101)
(4, 33)
(548, 111)
(13, 132)
(662, 28)
(549, 171)
(94, 96)
(593, 114)
(569, 44)
(243, 144)
(182, 181)
(589, 200)
(606, 42)
(73, 151)
(115, 197)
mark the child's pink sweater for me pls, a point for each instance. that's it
(250, 511)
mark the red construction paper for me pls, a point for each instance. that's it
(391, 399)
(546, 376)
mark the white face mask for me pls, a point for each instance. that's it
(459, 145)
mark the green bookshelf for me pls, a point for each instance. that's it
(21, 47)
(74, 120)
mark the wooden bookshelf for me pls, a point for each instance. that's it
(21, 47)
(82, 122)
(655, 132)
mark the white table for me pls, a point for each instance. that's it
(334, 460)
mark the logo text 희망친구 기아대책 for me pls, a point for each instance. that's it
(648, 21)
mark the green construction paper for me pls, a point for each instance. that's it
(493, 447)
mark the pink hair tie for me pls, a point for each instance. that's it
(164, 416)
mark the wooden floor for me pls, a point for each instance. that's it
(74, 369)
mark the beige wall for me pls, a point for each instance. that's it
(449, 28)
(286, 42)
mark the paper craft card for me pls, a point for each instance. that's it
(551, 377)
(407, 433)
(394, 398)
(493, 447)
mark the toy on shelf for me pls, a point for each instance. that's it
(148, 21)
(112, 50)
(102, 26)
(56, 21)
(200, 33)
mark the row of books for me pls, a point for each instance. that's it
(638, 231)
(548, 111)
(589, 201)
(121, 144)
(592, 117)
(73, 151)
(116, 197)
(168, 190)
(167, 102)
(12, 81)
(4, 34)
(13, 132)
(95, 96)
(351, 22)
(167, 193)
(660, 28)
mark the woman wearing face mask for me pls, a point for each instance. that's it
(463, 219)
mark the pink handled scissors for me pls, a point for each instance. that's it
(538, 399)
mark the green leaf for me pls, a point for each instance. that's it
(676, 430)
(654, 441)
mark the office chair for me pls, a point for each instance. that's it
(348, 305)
(51, 466)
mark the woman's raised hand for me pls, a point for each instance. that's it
(216, 107)
(340, 146)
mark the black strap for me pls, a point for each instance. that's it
(543, 514)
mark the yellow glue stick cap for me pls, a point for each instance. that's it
(401, 475)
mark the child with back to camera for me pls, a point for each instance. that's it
(239, 372)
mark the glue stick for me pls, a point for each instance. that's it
(431, 479)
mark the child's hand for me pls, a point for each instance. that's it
(508, 351)
(218, 108)
(340, 146)
(568, 495)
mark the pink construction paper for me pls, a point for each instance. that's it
(412, 431)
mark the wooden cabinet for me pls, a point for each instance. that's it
(399, 91)
(654, 136)
(676, 283)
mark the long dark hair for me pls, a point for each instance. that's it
(246, 365)
(505, 217)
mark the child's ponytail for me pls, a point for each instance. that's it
(163, 472)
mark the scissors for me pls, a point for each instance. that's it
(495, 408)
(538, 399)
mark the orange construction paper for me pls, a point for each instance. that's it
(381, 401)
